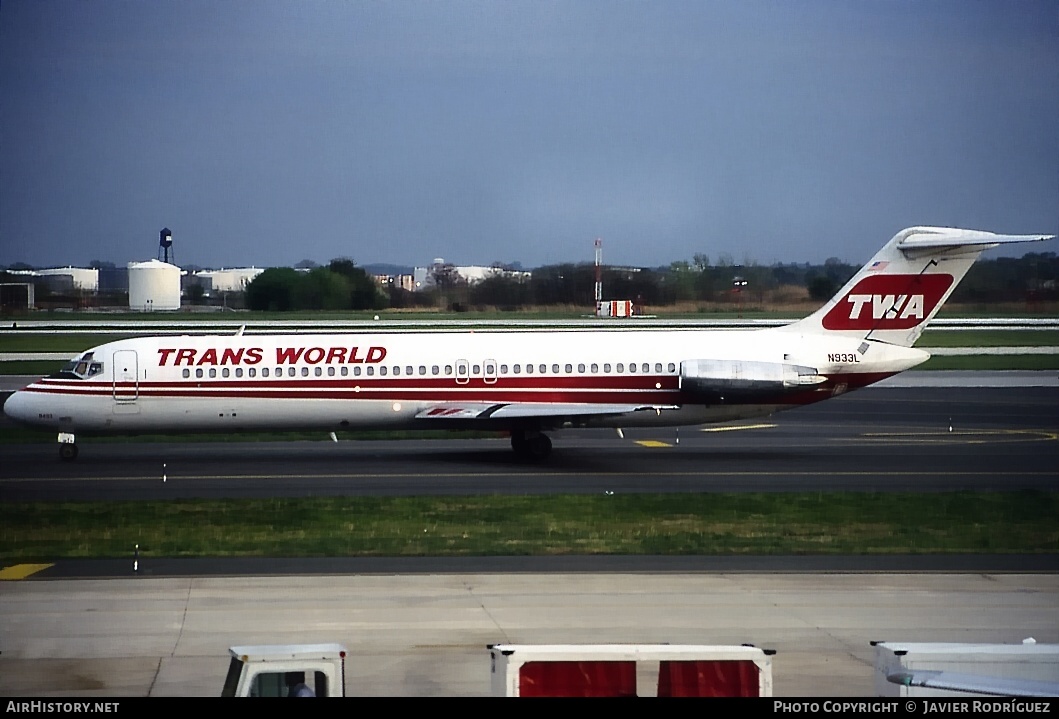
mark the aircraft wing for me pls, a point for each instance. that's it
(975, 684)
(525, 410)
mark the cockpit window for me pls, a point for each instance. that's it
(80, 368)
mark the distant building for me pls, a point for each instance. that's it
(113, 279)
(64, 279)
(404, 282)
(423, 277)
(227, 280)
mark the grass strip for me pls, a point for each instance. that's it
(991, 362)
(817, 523)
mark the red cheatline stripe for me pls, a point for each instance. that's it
(620, 391)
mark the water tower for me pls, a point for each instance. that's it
(165, 242)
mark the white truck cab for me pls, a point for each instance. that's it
(286, 670)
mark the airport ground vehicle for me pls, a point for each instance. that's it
(630, 670)
(282, 670)
(570, 670)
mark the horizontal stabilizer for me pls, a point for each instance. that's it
(938, 237)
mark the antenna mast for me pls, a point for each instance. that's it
(599, 272)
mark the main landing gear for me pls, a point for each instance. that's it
(67, 446)
(530, 445)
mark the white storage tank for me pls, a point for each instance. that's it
(154, 285)
(83, 278)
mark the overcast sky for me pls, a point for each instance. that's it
(264, 132)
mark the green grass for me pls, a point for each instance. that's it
(989, 338)
(992, 362)
(72, 343)
(635, 524)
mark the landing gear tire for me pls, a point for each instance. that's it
(68, 452)
(532, 446)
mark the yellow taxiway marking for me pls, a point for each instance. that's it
(21, 571)
(983, 436)
(652, 443)
(732, 429)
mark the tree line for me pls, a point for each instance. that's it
(341, 285)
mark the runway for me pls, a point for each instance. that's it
(419, 627)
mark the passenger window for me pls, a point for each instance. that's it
(632, 366)
(238, 371)
(408, 370)
(555, 369)
(620, 368)
(544, 368)
(435, 370)
(503, 369)
(423, 370)
(186, 373)
(658, 368)
(606, 367)
(318, 371)
(569, 368)
(646, 367)
(672, 367)
(290, 371)
(581, 368)
(517, 369)
(305, 371)
(356, 371)
(331, 371)
(529, 369)
(397, 370)
(477, 369)
(198, 373)
(264, 372)
(213, 373)
(250, 372)
(595, 368)
(382, 371)
(344, 371)
(225, 372)
(371, 371)
(448, 370)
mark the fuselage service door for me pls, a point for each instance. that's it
(126, 376)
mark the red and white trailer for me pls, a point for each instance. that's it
(641, 670)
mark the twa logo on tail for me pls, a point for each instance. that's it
(888, 302)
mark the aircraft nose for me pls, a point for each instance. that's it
(17, 407)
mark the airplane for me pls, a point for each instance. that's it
(525, 383)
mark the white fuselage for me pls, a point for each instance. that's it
(384, 380)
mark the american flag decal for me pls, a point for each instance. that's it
(877, 266)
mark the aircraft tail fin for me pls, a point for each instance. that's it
(896, 294)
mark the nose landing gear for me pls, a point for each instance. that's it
(67, 446)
